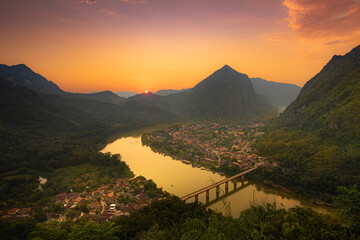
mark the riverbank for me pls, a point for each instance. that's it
(181, 179)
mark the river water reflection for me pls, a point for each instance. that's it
(180, 179)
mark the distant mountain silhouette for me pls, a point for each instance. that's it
(171, 91)
(226, 94)
(105, 96)
(23, 76)
(126, 94)
(279, 94)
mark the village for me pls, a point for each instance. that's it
(106, 202)
(213, 146)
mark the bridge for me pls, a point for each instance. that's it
(217, 186)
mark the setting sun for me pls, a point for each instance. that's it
(146, 91)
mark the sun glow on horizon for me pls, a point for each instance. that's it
(169, 44)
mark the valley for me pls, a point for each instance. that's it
(220, 127)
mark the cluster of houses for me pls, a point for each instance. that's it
(106, 202)
(16, 213)
(210, 144)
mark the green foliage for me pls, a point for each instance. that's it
(348, 201)
(316, 140)
(14, 230)
(84, 208)
(172, 219)
(40, 134)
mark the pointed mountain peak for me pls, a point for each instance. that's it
(226, 68)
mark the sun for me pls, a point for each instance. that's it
(146, 91)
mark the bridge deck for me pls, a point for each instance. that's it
(216, 184)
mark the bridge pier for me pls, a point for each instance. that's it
(235, 183)
(207, 189)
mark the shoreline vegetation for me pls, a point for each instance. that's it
(187, 221)
(189, 142)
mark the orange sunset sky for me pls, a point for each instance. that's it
(133, 45)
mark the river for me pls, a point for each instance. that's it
(181, 179)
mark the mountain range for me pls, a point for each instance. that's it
(226, 94)
(126, 94)
(171, 91)
(22, 75)
(279, 94)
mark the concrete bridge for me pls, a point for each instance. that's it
(217, 186)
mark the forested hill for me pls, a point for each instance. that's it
(40, 133)
(23, 76)
(330, 102)
(317, 138)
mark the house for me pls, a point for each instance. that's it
(79, 200)
(13, 211)
(25, 211)
(112, 207)
(61, 196)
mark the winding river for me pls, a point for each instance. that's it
(180, 179)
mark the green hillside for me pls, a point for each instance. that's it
(317, 139)
(40, 133)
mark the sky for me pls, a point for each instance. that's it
(137, 45)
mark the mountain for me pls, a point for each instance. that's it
(42, 132)
(317, 138)
(279, 94)
(225, 94)
(105, 96)
(126, 94)
(24, 76)
(170, 91)
(330, 101)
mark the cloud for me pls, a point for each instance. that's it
(135, 2)
(332, 42)
(89, 2)
(323, 18)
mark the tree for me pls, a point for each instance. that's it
(348, 200)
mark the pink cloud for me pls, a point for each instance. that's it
(89, 2)
(323, 18)
(134, 1)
